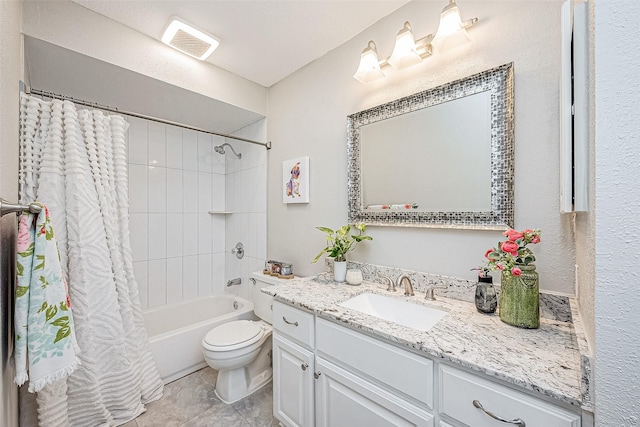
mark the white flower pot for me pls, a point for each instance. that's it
(339, 271)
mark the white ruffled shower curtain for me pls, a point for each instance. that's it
(74, 161)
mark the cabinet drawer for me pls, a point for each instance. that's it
(294, 324)
(459, 389)
(383, 363)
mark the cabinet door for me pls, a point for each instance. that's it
(292, 383)
(345, 400)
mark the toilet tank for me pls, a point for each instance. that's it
(262, 303)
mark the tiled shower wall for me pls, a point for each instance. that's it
(246, 188)
(175, 179)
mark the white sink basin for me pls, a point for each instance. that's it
(404, 313)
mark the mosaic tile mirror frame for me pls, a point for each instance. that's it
(498, 82)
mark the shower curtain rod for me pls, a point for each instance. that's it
(52, 95)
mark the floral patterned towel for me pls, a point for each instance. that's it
(45, 343)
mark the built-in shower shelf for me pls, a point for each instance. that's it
(220, 212)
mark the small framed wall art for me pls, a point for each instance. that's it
(295, 180)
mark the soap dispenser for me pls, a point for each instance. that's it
(486, 298)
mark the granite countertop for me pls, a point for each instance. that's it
(545, 360)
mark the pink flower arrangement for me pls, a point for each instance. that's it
(509, 255)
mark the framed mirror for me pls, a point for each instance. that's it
(442, 158)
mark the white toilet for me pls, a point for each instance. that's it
(241, 350)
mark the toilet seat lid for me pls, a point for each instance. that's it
(233, 333)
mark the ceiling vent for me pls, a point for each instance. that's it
(188, 39)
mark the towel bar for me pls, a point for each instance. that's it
(7, 208)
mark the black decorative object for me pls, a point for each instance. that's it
(486, 298)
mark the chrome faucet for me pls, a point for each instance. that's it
(408, 287)
(234, 282)
(391, 287)
(430, 296)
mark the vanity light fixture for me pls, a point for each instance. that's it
(188, 39)
(369, 69)
(408, 51)
(452, 30)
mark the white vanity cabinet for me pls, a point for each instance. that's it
(328, 375)
(353, 380)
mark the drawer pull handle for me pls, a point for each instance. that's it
(517, 421)
(304, 366)
(289, 323)
(316, 375)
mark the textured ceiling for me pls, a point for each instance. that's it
(262, 41)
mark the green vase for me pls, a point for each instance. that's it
(520, 298)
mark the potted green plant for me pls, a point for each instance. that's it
(339, 242)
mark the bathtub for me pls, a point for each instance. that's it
(176, 331)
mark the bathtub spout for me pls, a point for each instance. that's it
(233, 282)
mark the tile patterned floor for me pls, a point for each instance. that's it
(191, 402)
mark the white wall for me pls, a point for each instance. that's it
(617, 167)
(10, 74)
(53, 68)
(307, 116)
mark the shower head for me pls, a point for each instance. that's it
(220, 150)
